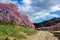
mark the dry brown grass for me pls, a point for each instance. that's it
(43, 35)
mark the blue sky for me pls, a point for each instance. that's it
(37, 10)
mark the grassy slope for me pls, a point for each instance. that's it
(12, 31)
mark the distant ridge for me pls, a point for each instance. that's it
(48, 23)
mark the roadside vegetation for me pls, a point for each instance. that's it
(12, 31)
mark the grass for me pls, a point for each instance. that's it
(12, 31)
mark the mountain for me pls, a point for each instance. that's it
(48, 23)
(9, 13)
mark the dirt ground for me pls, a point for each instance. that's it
(43, 35)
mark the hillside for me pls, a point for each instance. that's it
(47, 23)
(12, 31)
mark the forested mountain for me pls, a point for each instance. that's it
(47, 23)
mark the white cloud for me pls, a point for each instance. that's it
(43, 15)
(26, 6)
(26, 2)
(8, 1)
(54, 15)
(55, 8)
(5, 1)
(40, 9)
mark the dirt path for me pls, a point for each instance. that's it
(43, 35)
